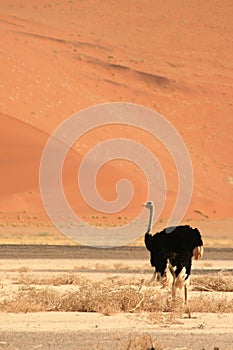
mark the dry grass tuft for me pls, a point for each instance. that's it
(59, 280)
(109, 296)
(141, 342)
(118, 266)
(32, 300)
(221, 282)
(211, 303)
(22, 269)
(116, 294)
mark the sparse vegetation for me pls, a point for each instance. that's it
(113, 295)
(141, 342)
(221, 282)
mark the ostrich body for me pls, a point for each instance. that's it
(172, 251)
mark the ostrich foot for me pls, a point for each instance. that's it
(187, 311)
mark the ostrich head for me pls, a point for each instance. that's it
(150, 205)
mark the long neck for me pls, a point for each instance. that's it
(151, 219)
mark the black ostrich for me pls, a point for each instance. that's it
(172, 251)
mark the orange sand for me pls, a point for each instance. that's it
(60, 57)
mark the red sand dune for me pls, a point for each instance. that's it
(57, 58)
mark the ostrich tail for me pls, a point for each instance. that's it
(198, 252)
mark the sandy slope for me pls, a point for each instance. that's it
(57, 58)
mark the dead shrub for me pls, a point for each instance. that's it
(210, 303)
(112, 295)
(65, 279)
(32, 300)
(106, 297)
(220, 282)
(141, 342)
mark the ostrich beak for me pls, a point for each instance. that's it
(144, 204)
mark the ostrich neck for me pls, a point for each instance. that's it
(151, 219)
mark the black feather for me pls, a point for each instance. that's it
(173, 243)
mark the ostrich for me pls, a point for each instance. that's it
(171, 252)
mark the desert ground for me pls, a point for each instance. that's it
(64, 297)
(58, 58)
